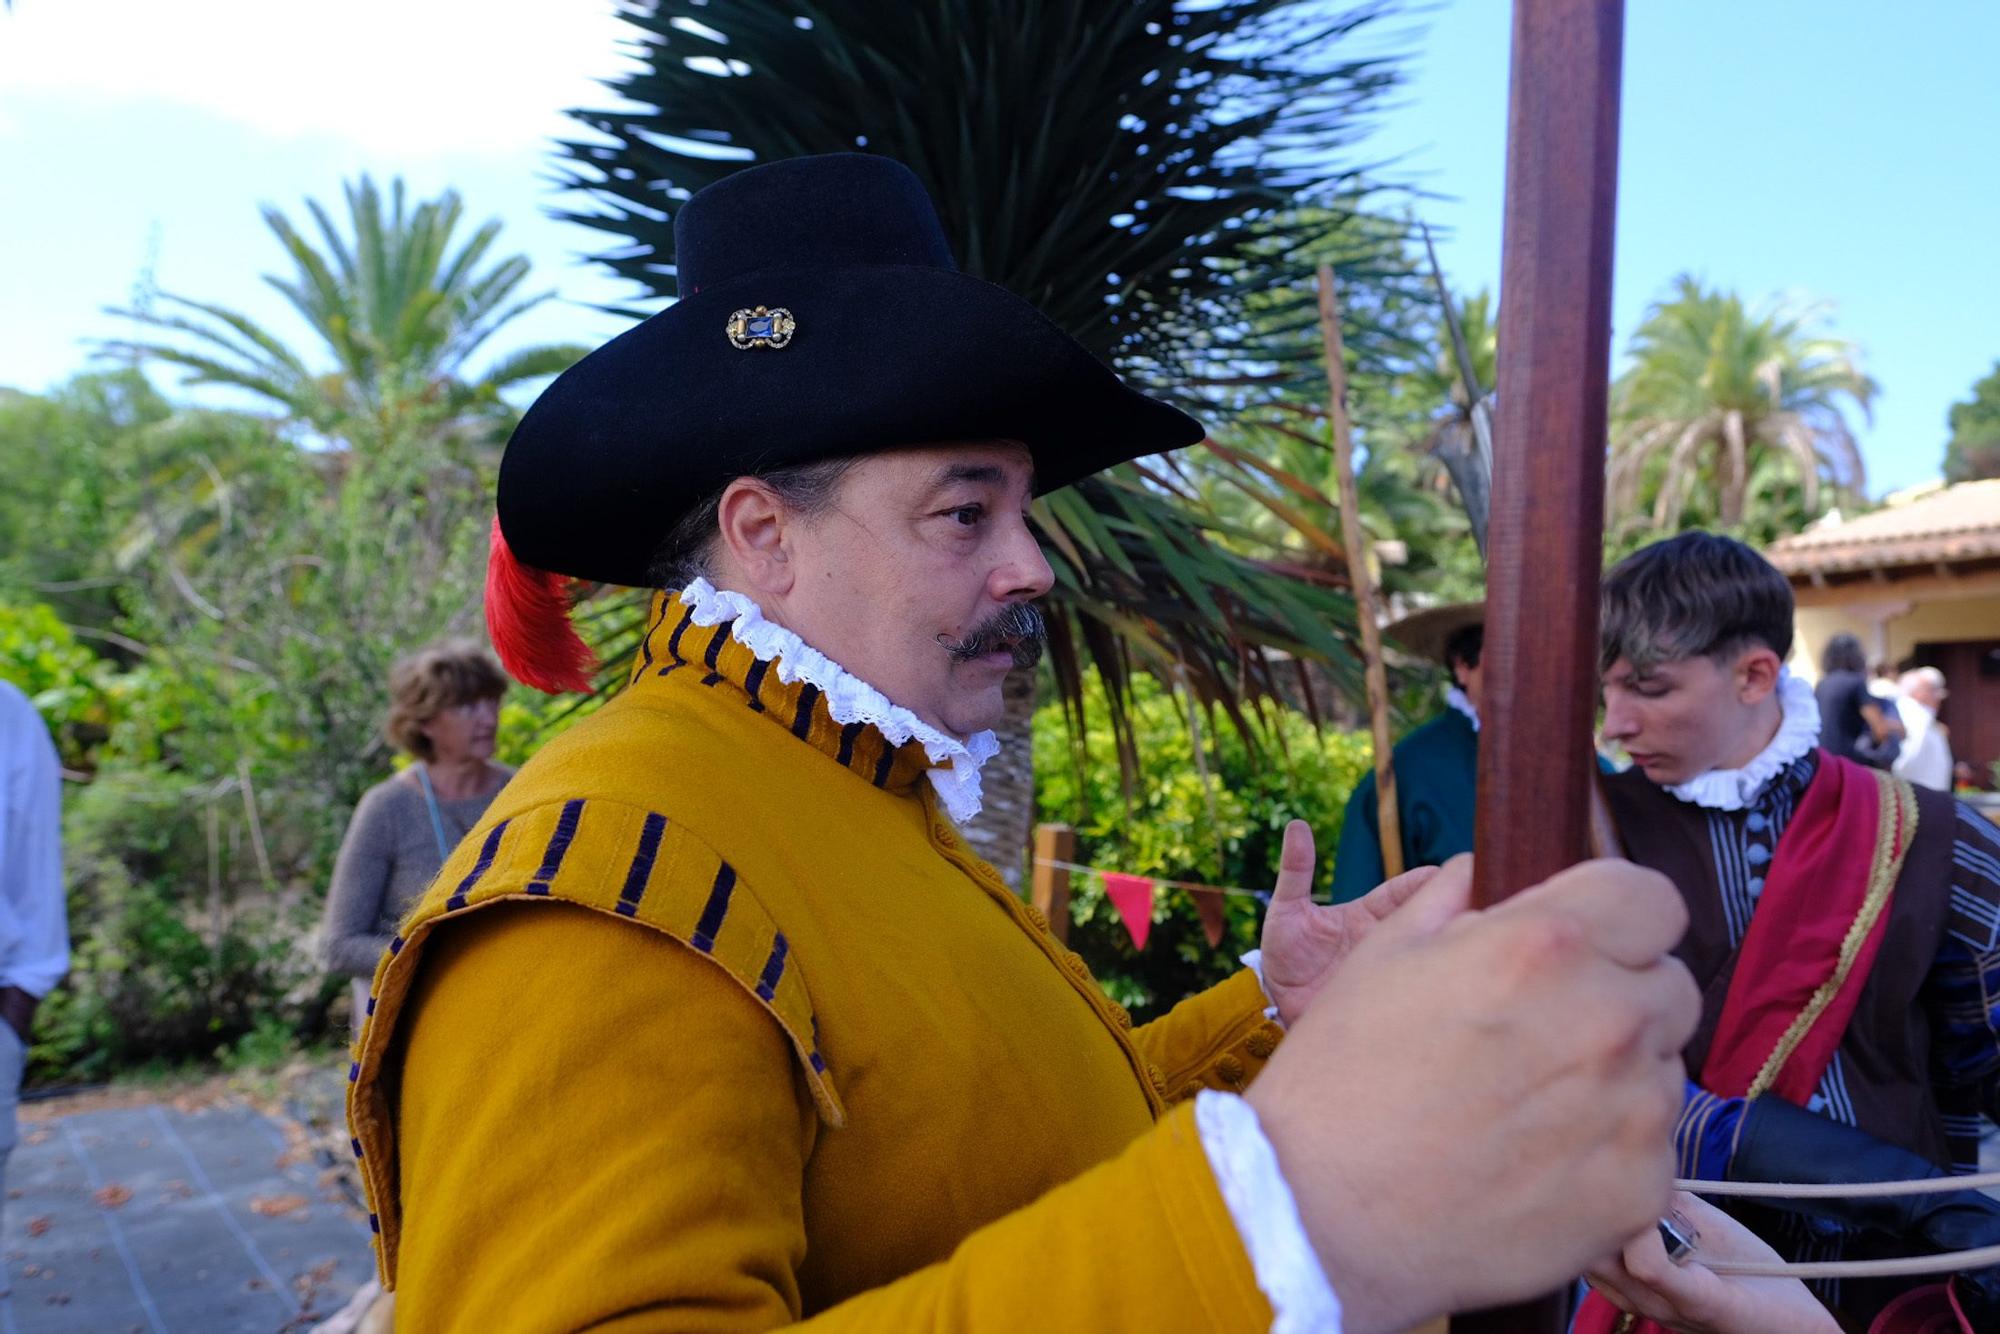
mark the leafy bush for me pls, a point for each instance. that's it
(179, 947)
(79, 695)
(1225, 830)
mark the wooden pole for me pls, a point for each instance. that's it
(1546, 539)
(1388, 820)
(1049, 885)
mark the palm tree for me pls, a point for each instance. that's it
(399, 311)
(1128, 168)
(1714, 390)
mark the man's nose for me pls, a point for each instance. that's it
(1619, 722)
(1023, 572)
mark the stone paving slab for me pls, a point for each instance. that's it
(163, 1219)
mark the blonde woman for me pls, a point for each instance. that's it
(444, 711)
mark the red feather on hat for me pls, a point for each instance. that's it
(527, 616)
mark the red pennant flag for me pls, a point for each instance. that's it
(1210, 907)
(1132, 895)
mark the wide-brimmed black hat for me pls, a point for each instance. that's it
(821, 315)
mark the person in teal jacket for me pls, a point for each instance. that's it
(1435, 764)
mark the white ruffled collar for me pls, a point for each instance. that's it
(955, 764)
(1458, 699)
(1734, 789)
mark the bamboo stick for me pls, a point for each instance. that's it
(1388, 820)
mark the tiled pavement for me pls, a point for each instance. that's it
(173, 1219)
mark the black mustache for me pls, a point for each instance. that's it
(1016, 629)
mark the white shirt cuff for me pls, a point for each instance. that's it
(1266, 1216)
(1254, 961)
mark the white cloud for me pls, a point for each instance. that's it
(416, 77)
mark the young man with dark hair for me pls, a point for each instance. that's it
(1844, 926)
(1435, 764)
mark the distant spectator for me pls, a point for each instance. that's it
(1853, 723)
(444, 710)
(1926, 753)
(34, 926)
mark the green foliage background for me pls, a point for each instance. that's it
(1218, 820)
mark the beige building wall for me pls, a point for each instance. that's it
(1892, 619)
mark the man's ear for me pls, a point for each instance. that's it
(1757, 674)
(754, 526)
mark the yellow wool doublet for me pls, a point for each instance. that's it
(715, 1022)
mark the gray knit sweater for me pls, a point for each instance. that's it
(387, 860)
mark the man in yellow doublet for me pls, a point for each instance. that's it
(828, 971)
(714, 1022)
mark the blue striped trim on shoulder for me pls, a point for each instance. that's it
(774, 969)
(487, 852)
(559, 841)
(717, 907)
(753, 681)
(641, 869)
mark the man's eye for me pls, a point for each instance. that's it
(967, 515)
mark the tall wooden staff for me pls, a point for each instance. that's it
(1388, 818)
(1547, 534)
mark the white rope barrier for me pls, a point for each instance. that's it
(1947, 1262)
(1840, 1190)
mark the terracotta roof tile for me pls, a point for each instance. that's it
(1951, 524)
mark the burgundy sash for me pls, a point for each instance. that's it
(1812, 941)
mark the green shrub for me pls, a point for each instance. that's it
(178, 947)
(1223, 831)
(79, 695)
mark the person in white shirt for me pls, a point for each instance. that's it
(1926, 755)
(34, 928)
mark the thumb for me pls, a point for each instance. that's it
(1295, 865)
(1443, 896)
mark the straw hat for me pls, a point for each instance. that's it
(1425, 633)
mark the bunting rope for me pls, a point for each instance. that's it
(1191, 886)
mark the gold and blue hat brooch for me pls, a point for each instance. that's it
(758, 327)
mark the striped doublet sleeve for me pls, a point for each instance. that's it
(639, 865)
(615, 859)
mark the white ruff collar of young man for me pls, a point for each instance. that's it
(955, 764)
(1459, 700)
(1735, 789)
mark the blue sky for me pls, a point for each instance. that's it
(1845, 153)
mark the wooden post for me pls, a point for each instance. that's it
(1049, 886)
(1388, 819)
(1546, 539)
